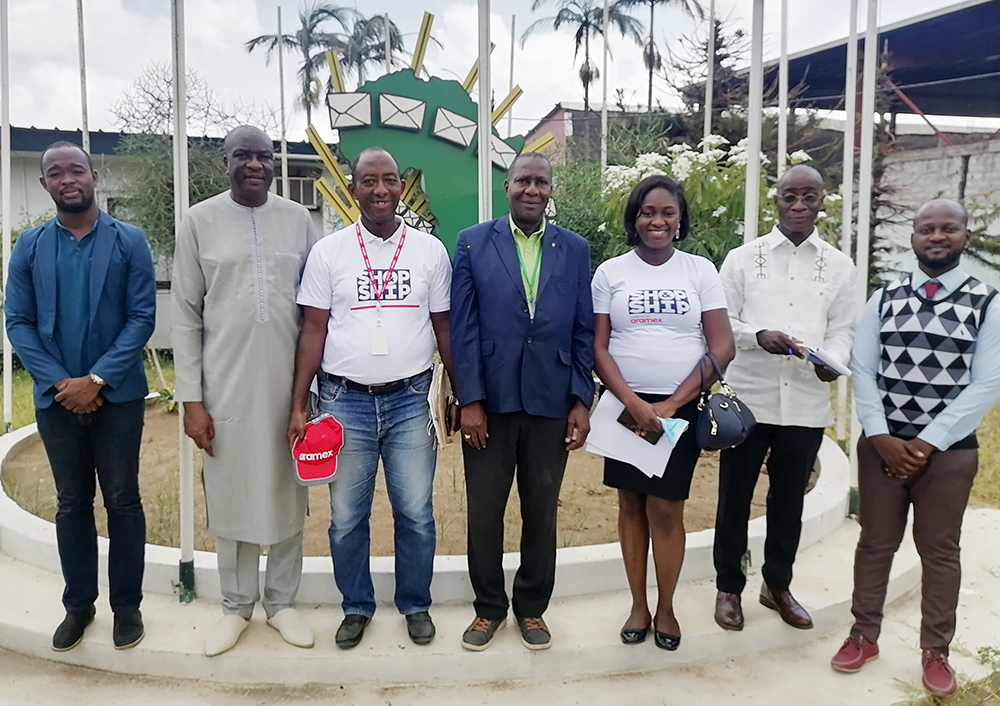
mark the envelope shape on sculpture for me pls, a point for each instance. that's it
(454, 127)
(349, 109)
(401, 112)
(503, 154)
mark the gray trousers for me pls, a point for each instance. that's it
(240, 580)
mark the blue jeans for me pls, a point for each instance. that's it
(395, 428)
(106, 441)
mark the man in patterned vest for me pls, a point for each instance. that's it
(925, 373)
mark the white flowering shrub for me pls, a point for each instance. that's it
(713, 183)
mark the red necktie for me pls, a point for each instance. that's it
(930, 288)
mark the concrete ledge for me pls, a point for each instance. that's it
(581, 570)
(585, 631)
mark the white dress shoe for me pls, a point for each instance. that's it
(225, 635)
(294, 630)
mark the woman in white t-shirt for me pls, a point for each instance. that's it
(656, 309)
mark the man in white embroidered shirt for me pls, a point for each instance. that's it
(375, 297)
(785, 290)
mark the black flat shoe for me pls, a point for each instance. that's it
(665, 641)
(351, 630)
(632, 636)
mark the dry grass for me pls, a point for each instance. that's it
(986, 490)
(985, 692)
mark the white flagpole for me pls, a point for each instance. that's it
(710, 80)
(865, 172)
(604, 101)
(510, 81)
(388, 45)
(751, 202)
(181, 201)
(783, 91)
(847, 213)
(281, 84)
(85, 125)
(485, 132)
(8, 358)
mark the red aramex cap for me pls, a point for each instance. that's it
(316, 455)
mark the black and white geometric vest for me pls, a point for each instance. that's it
(927, 349)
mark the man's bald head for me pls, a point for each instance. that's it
(800, 174)
(369, 153)
(948, 205)
(244, 133)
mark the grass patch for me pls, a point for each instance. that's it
(986, 489)
(984, 692)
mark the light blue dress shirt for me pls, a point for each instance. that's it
(964, 413)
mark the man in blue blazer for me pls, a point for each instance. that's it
(80, 306)
(522, 341)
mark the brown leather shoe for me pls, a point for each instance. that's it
(728, 611)
(788, 608)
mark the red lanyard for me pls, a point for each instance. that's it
(371, 274)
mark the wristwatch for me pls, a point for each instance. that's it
(97, 380)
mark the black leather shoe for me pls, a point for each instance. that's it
(665, 641)
(633, 636)
(128, 630)
(351, 630)
(70, 630)
(420, 627)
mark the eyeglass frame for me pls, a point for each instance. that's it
(789, 199)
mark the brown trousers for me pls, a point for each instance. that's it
(939, 493)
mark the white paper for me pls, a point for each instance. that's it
(436, 401)
(828, 360)
(610, 439)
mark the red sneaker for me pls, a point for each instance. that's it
(939, 679)
(854, 654)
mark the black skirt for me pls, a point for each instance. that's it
(675, 483)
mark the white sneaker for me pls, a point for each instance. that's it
(294, 630)
(225, 635)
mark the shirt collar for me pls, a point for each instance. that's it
(66, 231)
(950, 280)
(517, 231)
(370, 237)
(776, 238)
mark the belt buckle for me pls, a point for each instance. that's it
(371, 389)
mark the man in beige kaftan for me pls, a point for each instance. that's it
(237, 265)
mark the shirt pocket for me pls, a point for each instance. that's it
(287, 271)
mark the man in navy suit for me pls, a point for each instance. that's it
(81, 302)
(522, 341)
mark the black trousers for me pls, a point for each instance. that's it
(534, 449)
(793, 454)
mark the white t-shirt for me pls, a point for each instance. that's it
(656, 336)
(337, 279)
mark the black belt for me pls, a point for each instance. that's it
(384, 388)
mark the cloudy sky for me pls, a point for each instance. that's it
(123, 36)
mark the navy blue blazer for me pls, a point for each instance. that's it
(500, 356)
(122, 308)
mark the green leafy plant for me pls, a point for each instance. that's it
(167, 400)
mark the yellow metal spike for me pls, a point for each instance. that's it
(328, 159)
(473, 76)
(410, 187)
(506, 104)
(422, 39)
(336, 75)
(540, 144)
(348, 212)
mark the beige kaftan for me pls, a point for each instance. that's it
(236, 272)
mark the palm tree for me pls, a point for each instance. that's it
(364, 45)
(585, 18)
(312, 42)
(650, 54)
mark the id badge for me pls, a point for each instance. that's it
(379, 336)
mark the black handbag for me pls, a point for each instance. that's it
(723, 420)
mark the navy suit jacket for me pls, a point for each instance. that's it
(122, 308)
(500, 356)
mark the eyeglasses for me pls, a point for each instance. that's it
(811, 199)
